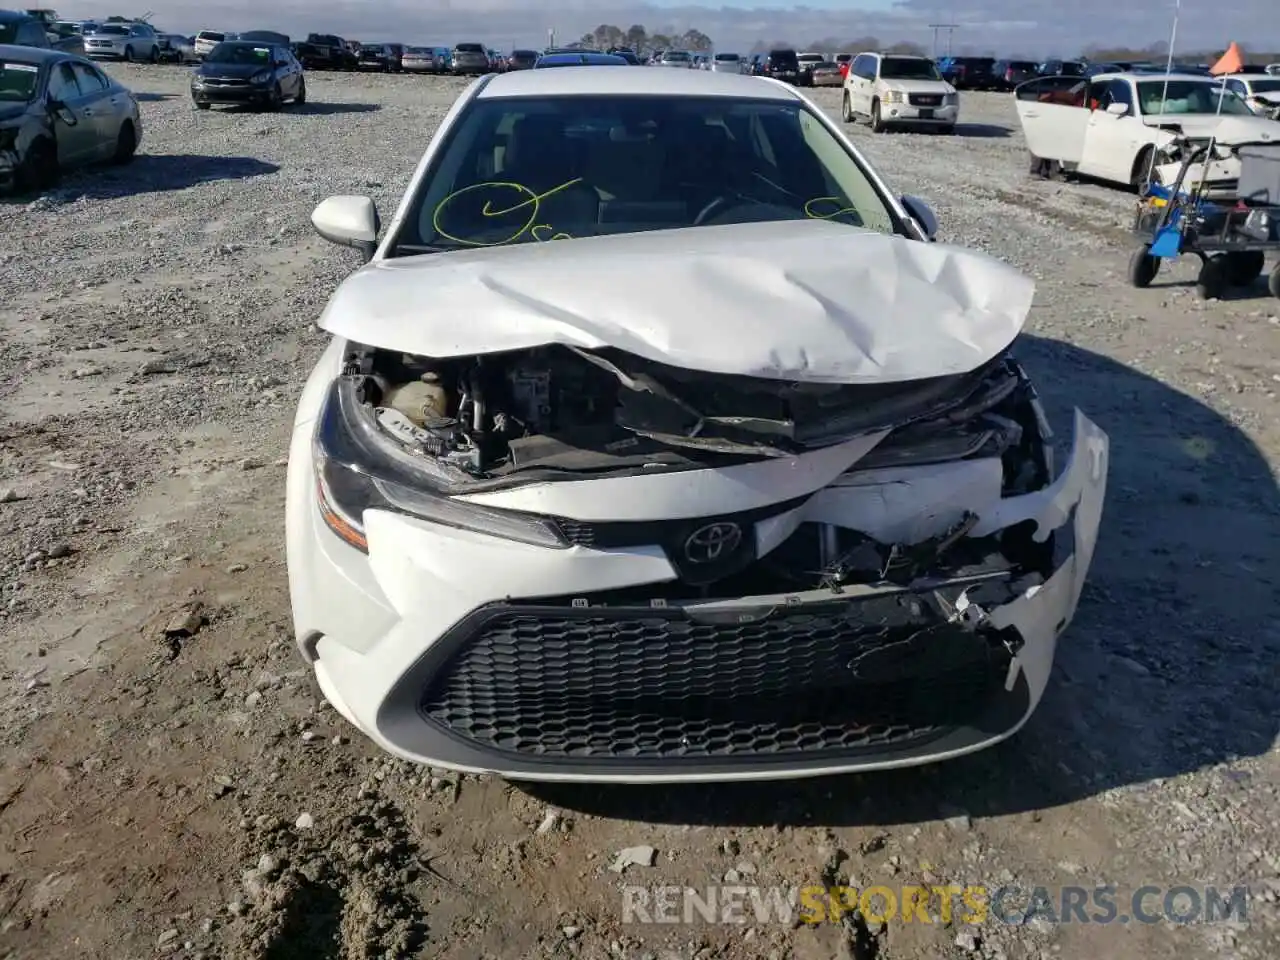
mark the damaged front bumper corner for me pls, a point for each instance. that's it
(1072, 505)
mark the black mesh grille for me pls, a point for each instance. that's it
(624, 684)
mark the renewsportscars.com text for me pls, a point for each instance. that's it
(971, 904)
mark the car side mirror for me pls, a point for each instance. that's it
(923, 215)
(349, 222)
(1117, 109)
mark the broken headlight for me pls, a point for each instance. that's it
(358, 470)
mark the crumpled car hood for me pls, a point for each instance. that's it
(1228, 130)
(806, 300)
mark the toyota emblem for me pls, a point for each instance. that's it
(708, 544)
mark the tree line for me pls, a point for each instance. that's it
(1159, 52)
(639, 39)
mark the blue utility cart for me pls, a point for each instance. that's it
(1232, 239)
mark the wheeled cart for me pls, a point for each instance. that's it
(1231, 240)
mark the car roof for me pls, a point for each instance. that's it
(33, 54)
(1133, 75)
(608, 81)
(11, 15)
(586, 58)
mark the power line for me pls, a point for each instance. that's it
(949, 27)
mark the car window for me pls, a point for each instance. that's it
(1189, 96)
(1060, 90)
(18, 81)
(1266, 86)
(239, 53)
(89, 79)
(540, 169)
(62, 83)
(908, 68)
(1119, 91)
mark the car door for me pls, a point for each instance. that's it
(861, 80)
(291, 71)
(105, 110)
(73, 121)
(1053, 116)
(1111, 140)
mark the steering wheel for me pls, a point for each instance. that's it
(718, 205)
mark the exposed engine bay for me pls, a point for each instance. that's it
(565, 410)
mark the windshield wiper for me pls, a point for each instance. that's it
(421, 248)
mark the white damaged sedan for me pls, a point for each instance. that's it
(657, 442)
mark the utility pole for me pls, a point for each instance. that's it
(935, 27)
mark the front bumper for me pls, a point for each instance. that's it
(587, 677)
(231, 94)
(945, 114)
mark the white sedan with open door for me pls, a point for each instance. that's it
(1119, 126)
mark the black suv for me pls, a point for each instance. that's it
(324, 51)
(971, 73)
(1010, 73)
(387, 57)
(781, 65)
(22, 30)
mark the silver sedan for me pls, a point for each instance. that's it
(59, 111)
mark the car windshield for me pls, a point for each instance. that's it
(239, 53)
(1189, 96)
(469, 48)
(675, 55)
(727, 57)
(18, 81)
(908, 68)
(206, 35)
(113, 30)
(535, 169)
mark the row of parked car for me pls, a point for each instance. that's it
(988, 73)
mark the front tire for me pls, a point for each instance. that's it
(39, 169)
(1141, 164)
(128, 54)
(277, 98)
(154, 56)
(126, 144)
(301, 98)
(1143, 267)
(877, 121)
(202, 106)
(1244, 268)
(1212, 280)
(1273, 282)
(846, 108)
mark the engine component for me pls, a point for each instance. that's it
(423, 401)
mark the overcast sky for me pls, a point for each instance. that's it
(1044, 27)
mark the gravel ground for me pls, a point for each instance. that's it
(185, 795)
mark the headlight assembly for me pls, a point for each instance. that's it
(260, 78)
(359, 469)
(894, 96)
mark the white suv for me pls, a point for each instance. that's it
(206, 40)
(889, 89)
